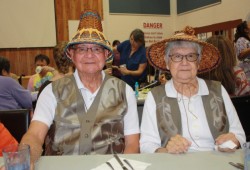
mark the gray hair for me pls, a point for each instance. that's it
(179, 44)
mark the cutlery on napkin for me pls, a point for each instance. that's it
(138, 165)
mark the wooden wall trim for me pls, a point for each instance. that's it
(218, 26)
(22, 59)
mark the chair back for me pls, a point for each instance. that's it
(24, 80)
(16, 121)
(242, 106)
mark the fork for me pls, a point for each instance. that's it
(127, 162)
(109, 164)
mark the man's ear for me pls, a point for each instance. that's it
(69, 52)
(107, 53)
(4, 73)
(167, 67)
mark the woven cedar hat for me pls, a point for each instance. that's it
(90, 31)
(210, 56)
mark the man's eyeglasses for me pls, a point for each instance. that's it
(84, 50)
(189, 57)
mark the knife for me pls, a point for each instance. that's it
(236, 165)
(120, 162)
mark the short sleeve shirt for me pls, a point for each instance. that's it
(132, 62)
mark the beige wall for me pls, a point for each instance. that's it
(227, 10)
(120, 26)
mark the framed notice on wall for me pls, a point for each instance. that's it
(184, 6)
(158, 7)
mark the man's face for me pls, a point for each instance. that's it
(88, 58)
(41, 63)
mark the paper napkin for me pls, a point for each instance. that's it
(228, 144)
(138, 165)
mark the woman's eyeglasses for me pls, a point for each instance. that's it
(189, 57)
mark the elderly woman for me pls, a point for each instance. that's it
(88, 112)
(188, 113)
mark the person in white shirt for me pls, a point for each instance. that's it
(188, 113)
(88, 112)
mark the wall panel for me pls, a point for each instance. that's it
(22, 59)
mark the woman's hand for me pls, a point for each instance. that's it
(226, 137)
(108, 71)
(178, 144)
(124, 70)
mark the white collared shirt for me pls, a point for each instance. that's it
(194, 122)
(46, 104)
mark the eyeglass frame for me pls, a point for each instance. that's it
(87, 49)
(186, 56)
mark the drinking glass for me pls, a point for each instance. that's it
(16, 157)
(246, 148)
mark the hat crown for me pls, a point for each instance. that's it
(90, 19)
(187, 31)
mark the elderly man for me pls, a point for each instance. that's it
(188, 113)
(88, 112)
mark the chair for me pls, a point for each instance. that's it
(16, 121)
(242, 106)
(24, 80)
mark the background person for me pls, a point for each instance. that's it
(42, 76)
(242, 44)
(179, 116)
(231, 76)
(63, 63)
(133, 61)
(6, 138)
(12, 94)
(88, 112)
(116, 60)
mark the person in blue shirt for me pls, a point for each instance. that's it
(12, 94)
(133, 61)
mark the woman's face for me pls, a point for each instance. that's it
(133, 43)
(183, 71)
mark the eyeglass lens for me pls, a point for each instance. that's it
(189, 57)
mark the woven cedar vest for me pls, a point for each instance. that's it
(97, 131)
(169, 117)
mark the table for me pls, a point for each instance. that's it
(211, 160)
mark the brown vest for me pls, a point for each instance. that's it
(169, 117)
(97, 131)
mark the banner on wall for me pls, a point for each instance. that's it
(153, 31)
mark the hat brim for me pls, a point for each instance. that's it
(210, 56)
(90, 36)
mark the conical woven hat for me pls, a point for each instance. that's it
(210, 56)
(90, 31)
